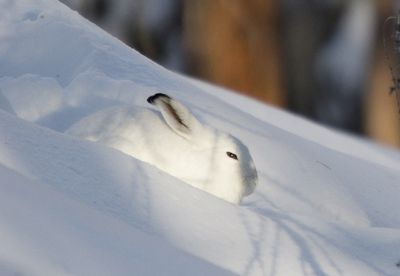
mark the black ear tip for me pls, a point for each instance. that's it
(151, 99)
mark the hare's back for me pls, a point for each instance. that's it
(115, 121)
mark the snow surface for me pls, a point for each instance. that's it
(327, 203)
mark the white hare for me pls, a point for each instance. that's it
(177, 143)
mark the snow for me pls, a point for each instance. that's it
(327, 203)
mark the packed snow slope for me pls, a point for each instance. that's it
(326, 203)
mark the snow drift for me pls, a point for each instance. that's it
(326, 203)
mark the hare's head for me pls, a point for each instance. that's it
(209, 159)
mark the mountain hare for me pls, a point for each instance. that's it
(177, 143)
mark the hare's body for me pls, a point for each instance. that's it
(175, 142)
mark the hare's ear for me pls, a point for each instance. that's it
(177, 116)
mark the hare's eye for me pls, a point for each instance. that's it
(232, 155)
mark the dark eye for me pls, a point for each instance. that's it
(232, 155)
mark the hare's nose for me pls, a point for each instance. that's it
(255, 174)
(255, 182)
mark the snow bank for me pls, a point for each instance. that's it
(327, 203)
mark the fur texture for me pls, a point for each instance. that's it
(177, 143)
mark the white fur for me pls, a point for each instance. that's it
(175, 142)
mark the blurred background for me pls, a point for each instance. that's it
(322, 59)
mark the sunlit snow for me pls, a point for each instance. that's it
(326, 203)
